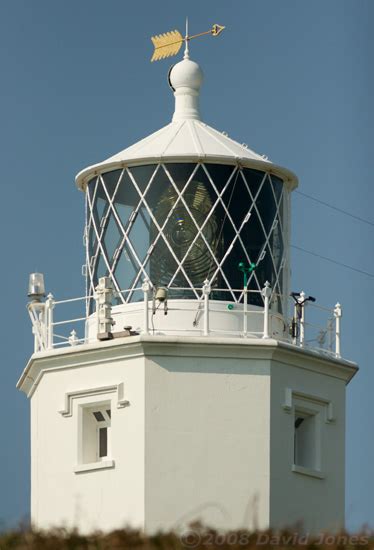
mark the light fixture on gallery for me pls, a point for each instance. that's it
(160, 296)
(36, 286)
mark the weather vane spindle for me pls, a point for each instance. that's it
(169, 43)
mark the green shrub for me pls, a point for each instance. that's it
(194, 538)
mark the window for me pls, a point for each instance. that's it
(309, 415)
(212, 217)
(103, 418)
(95, 433)
(305, 440)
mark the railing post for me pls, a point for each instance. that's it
(103, 296)
(49, 306)
(73, 339)
(245, 311)
(266, 293)
(206, 292)
(338, 316)
(36, 313)
(295, 324)
(146, 288)
(302, 318)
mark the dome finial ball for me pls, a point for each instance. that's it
(186, 74)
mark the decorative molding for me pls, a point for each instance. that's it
(290, 394)
(98, 353)
(287, 405)
(93, 392)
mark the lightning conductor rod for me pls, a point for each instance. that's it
(186, 39)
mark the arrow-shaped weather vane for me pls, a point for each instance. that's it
(170, 43)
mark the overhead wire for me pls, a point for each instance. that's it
(333, 261)
(328, 205)
(341, 211)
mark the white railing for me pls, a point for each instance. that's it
(311, 326)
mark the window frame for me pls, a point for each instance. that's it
(303, 408)
(89, 434)
(103, 424)
(305, 416)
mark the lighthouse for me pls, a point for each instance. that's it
(188, 389)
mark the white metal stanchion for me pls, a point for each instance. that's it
(266, 293)
(49, 306)
(146, 288)
(206, 292)
(338, 316)
(302, 318)
(36, 311)
(103, 296)
(245, 311)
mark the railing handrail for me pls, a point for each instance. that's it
(42, 316)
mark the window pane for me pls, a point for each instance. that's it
(304, 444)
(99, 416)
(103, 442)
(112, 237)
(229, 214)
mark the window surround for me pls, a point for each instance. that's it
(67, 410)
(323, 412)
(307, 471)
(92, 398)
(103, 465)
(291, 394)
(92, 417)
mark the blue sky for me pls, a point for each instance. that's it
(291, 78)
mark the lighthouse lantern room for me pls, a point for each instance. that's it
(188, 390)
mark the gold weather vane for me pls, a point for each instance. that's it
(170, 43)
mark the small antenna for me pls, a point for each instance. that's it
(169, 43)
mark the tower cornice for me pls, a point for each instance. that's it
(178, 346)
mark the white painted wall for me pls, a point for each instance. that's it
(208, 434)
(207, 442)
(97, 499)
(182, 315)
(295, 497)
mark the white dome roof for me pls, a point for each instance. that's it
(186, 138)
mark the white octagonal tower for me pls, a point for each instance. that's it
(186, 397)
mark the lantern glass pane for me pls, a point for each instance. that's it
(181, 223)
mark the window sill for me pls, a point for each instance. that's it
(103, 465)
(308, 472)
